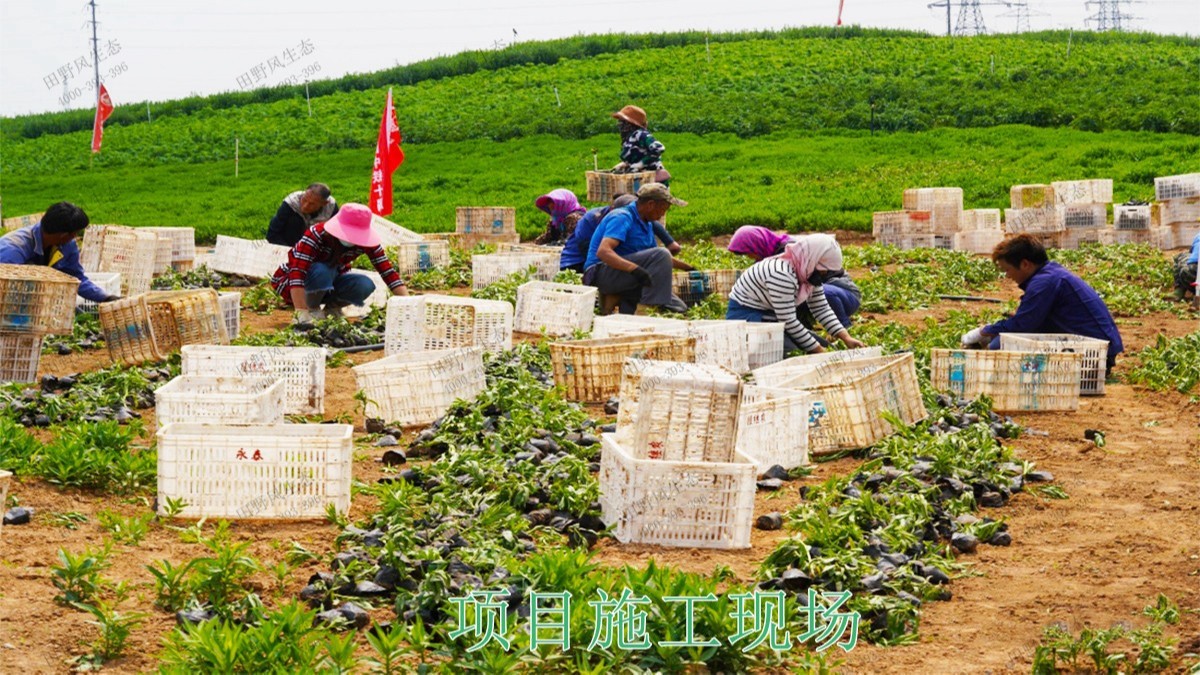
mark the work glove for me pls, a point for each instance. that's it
(305, 318)
(636, 167)
(974, 338)
(642, 276)
(620, 167)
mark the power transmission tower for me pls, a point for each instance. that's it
(1108, 16)
(1021, 12)
(970, 19)
(95, 50)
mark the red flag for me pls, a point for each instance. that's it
(841, 4)
(388, 156)
(104, 108)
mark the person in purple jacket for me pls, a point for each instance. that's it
(1055, 300)
(51, 242)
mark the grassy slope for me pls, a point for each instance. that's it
(792, 180)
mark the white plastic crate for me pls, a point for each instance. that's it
(377, 298)
(677, 504)
(20, 353)
(208, 399)
(1149, 237)
(944, 242)
(1131, 216)
(978, 241)
(944, 204)
(1094, 354)
(1075, 238)
(1090, 191)
(886, 224)
(419, 256)
(429, 322)
(774, 375)
(162, 254)
(131, 252)
(183, 241)
(485, 220)
(980, 219)
(109, 282)
(231, 312)
(1183, 186)
(489, 268)
(391, 234)
(1034, 221)
(302, 370)
(617, 325)
(764, 343)
(418, 388)
(255, 471)
(557, 309)
(1077, 216)
(773, 426)
(718, 343)
(1179, 211)
(1015, 381)
(256, 259)
(1033, 196)
(695, 405)
(1183, 234)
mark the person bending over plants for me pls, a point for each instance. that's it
(575, 249)
(51, 242)
(843, 295)
(565, 212)
(1055, 300)
(316, 279)
(299, 211)
(777, 288)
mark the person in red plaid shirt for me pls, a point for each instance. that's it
(317, 272)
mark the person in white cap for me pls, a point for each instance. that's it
(316, 279)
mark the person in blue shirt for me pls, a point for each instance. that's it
(575, 250)
(1055, 300)
(52, 242)
(623, 261)
(1185, 271)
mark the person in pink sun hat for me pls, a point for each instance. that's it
(316, 279)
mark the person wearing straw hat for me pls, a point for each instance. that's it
(640, 151)
(623, 261)
(565, 212)
(51, 242)
(774, 289)
(299, 211)
(316, 279)
(841, 292)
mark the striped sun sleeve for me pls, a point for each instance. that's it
(770, 286)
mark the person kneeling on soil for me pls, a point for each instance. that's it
(51, 242)
(623, 260)
(565, 212)
(317, 271)
(778, 287)
(1185, 271)
(575, 250)
(841, 292)
(1055, 300)
(299, 211)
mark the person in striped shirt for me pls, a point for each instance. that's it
(316, 279)
(775, 288)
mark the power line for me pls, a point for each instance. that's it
(1022, 13)
(1108, 16)
(970, 15)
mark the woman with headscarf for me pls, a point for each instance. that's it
(640, 151)
(843, 296)
(776, 287)
(565, 211)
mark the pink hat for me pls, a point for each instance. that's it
(352, 223)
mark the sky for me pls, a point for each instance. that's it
(158, 50)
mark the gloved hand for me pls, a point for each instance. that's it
(642, 276)
(620, 167)
(973, 338)
(636, 167)
(305, 318)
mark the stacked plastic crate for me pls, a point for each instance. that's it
(979, 231)
(930, 219)
(1133, 224)
(1082, 208)
(1178, 209)
(35, 301)
(1033, 211)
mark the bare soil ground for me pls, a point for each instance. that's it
(1127, 532)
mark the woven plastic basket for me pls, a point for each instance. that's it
(109, 282)
(418, 388)
(693, 287)
(429, 322)
(213, 399)
(128, 331)
(764, 344)
(183, 242)
(186, 318)
(677, 504)
(302, 370)
(231, 313)
(1015, 381)
(252, 259)
(556, 309)
(1094, 354)
(36, 299)
(602, 186)
(590, 370)
(20, 353)
(773, 426)
(255, 471)
(851, 395)
(488, 220)
(419, 256)
(488, 269)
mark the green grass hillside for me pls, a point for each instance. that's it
(748, 88)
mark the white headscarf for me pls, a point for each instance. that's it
(808, 254)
